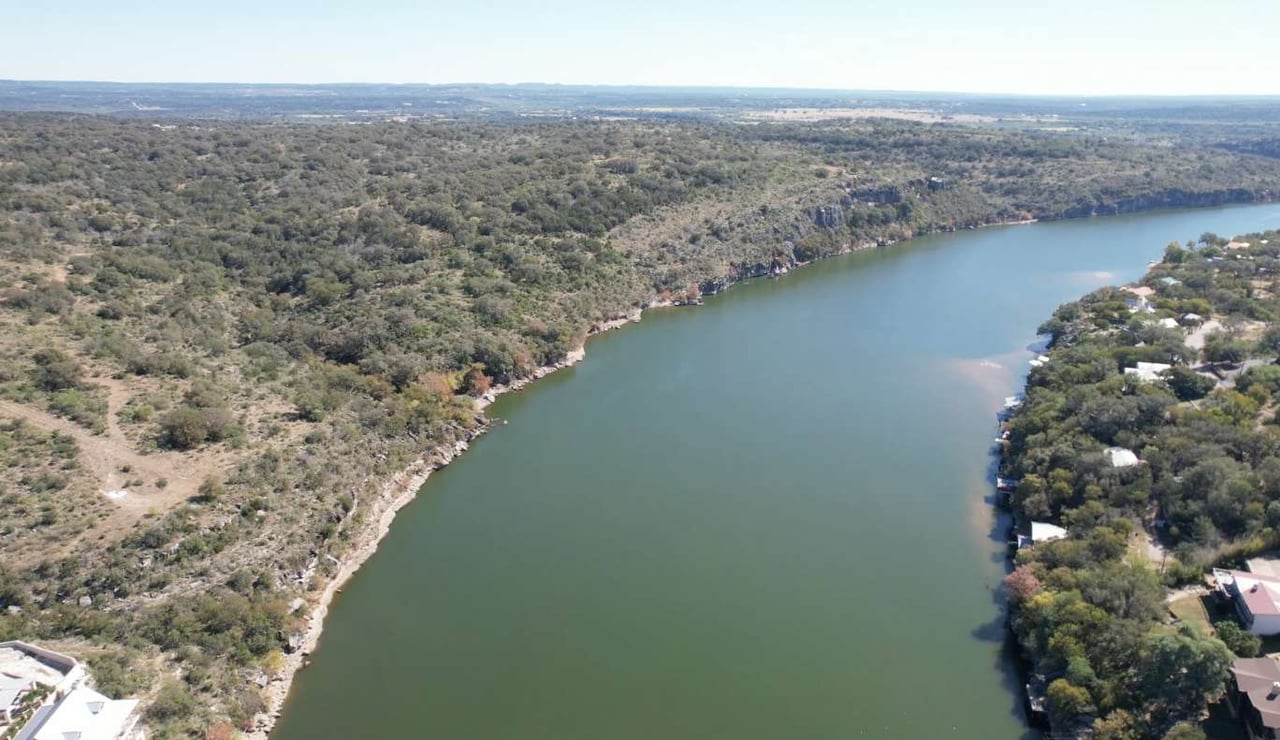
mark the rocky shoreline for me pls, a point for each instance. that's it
(395, 494)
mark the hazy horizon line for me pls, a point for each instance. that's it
(654, 86)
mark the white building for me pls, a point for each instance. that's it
(1146, 372)
(1041, 532)
(84, 714)
(1256, 598)
(1119, 457)
(24, 661)
(45, 691)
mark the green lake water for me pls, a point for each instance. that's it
(768, 517)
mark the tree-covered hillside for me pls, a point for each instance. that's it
(221, 339)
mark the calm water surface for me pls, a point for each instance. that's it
(763, 518)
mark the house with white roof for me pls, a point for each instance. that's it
(1256, 597)
(24, 661)
(1146, 372)
(1119, 457)
(44, 692)
(31, 677)
(1041, 532)
(84, 714)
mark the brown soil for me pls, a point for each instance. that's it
(106, 457)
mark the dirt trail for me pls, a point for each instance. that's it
(105, 455)
(1196, 339)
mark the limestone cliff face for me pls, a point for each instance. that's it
(827, 217)
(887, 194)
(826, 230)
(1167, 199)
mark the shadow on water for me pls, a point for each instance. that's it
(1009, 663)
(1001, 517)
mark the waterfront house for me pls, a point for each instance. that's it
(1256, 597)
(1005, 488)
(1011, 405)
(1041, 532)
(1037, 703)
(1253, 695)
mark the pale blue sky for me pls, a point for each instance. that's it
(1021, 46)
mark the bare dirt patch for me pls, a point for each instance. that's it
(114, 463)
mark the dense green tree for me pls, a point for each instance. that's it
(1221, 347)
(1067, 702)
(1187, 384)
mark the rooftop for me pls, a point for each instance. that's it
(83, 715)
(1148, 372)
(1044, 532)
(1119, 457)
(1260, 593)
(1257, 677)
(22, 661)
